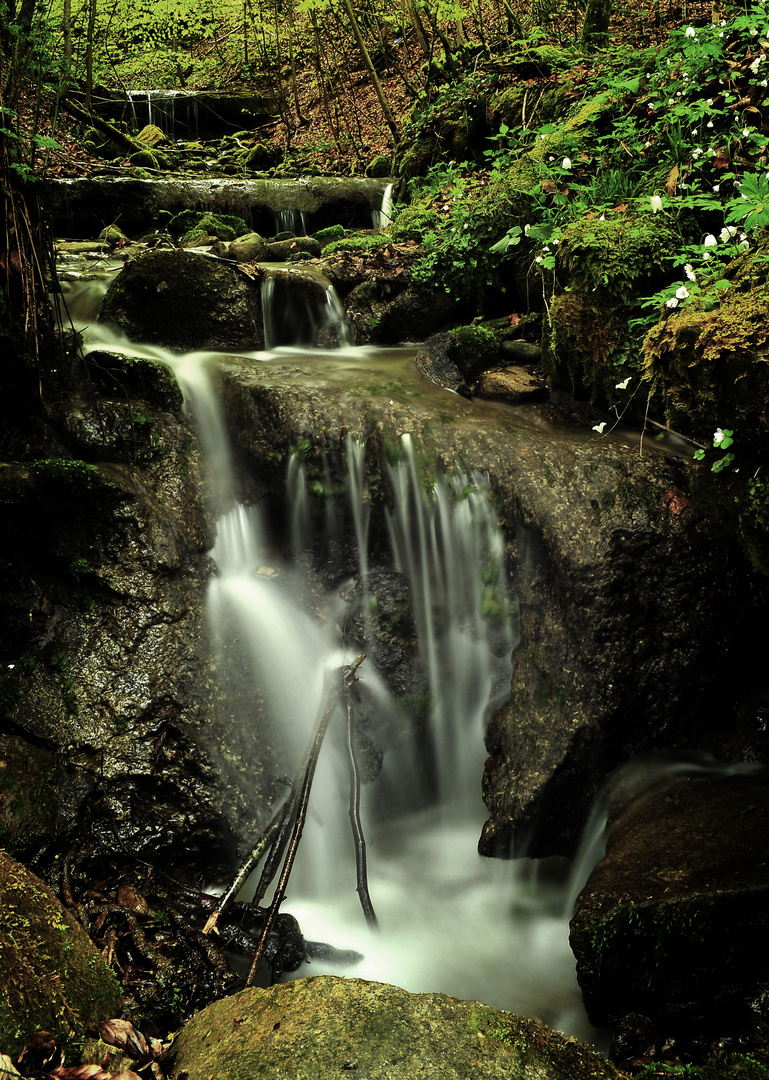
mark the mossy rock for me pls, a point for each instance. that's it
(52, 976)
(710, 357)
(185, 301)
(474, 349)
(151, 135)
(622, 256)
(223, 226)
(380, 166)
(606, 265)
(327, 1026)
(150, 159)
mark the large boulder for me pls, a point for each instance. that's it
(671, 924)
(185, 302)
(322, 1027)
(630, 598)
(52, 976)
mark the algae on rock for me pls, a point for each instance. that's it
(52, 976)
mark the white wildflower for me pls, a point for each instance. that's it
(682, 292)
(656, 204)
(706, 255)
(710, 240)
(623, 385)
(689, 271)
(566, 163)
(599, 427)
(709, 124)
(727, 233)
(718, 436)
(690, 31)
(672, 302)
(746, 132)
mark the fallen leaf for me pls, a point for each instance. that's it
(672, 180)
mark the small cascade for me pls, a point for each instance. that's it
(292, 221)
(383, 216)
(301, 307)
(173, 111)
(450, 921)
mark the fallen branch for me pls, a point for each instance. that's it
(357, 827)
(248, 865)
(330, 702)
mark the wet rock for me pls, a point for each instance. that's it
(318, 1027)
(518, 351)
(434, 360)
(53, 977)
(285, 250)
(512, 384)
(671, 924)
(628, 592)
(251, 247)
(185, 301)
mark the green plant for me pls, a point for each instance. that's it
(722, 440)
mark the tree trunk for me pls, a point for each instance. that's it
(364, 54)
(595, 29)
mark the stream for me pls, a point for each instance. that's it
(448, 919)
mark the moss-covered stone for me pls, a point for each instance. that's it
(474, 349)
(709, 357)
(328, 1026)
(185, 301)
(224, 226)
(52, 976)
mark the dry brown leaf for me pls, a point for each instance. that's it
(672, 180)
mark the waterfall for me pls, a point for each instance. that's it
(293, 221)
(302, 308)
(383, 216)
(450, 921)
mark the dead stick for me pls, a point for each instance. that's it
(246, 867)
(361, 872)
(330, 701)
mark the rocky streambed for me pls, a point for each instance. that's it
(633, 609)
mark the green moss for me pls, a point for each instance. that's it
(65, 471)
(474, 349)
(365, 243)
(709, 357)
(620, 257)
(53, 978)
(224, 226)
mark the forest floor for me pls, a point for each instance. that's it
(331, 119)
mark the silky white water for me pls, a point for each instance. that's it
(449, 920)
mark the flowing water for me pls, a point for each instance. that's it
(449, 920)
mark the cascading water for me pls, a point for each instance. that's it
(449, 920)
(299, 305)
(383, 216)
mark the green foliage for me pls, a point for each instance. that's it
(724, 1066)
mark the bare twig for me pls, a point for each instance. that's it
(330, 701)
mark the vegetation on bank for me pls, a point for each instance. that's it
(615, 199)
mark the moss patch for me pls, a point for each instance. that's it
(53, 977)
